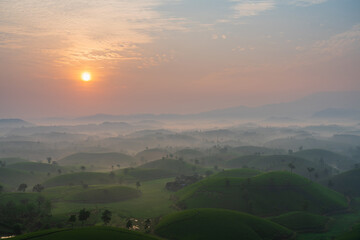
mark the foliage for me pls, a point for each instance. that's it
(106, 216)
(38, 188)
(83, 215)
(26, 214)
(181, 182)
(22, 187)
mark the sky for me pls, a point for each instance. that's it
(172, 56)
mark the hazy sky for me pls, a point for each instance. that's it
(172, 56)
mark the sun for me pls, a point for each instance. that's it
(86, 76)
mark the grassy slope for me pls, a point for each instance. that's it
(87, 233)
(12, 178)
(176, 166)
(333, 159)
(151, 154)
(266, 195)
(354, 234)
(105, 194)
(143, 174)
(241, 172)
(104, 160)
(278, 163)
(302, 221)
(36, 167)
(153, 202)
(219, 224)
(12, 160)
(347, 182)
(89, 178)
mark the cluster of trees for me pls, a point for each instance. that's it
(26, 215)
(84, 214)
(182, 181)
(37, 188)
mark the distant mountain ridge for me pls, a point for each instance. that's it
(317, 105)
(14, 123)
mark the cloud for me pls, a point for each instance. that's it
(245, 8)
(339, 44)
(84, 30)
(306, 3)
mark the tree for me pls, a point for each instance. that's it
(72, 219)
(138, 185)
(22, 187)
(147, 225)
(49, 160)
(38, 188)
(291, 166)
(83, 215)
(310, 170)
(227, 182)
(106, 216)
(129, 224)
(83, 168)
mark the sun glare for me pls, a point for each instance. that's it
(86, 76)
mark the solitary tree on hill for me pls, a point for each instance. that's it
(291, 166)
(72, 220)
(22, 187)
(106, 216)
(310, 170)
(49, 160)
(83, 215)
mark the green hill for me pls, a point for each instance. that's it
(151, 154)
(302, 221)
(219, 224)
(12, 178)
(241, 172)
(189, 153)
(354, 234)
(281, 163)
(266, 194)
(255, 150)
(346, 182)
(90, 178)
(143, 174)
(177, 167)
(100, 160)
(12, 160)
(86, 233)
(36, 167)
(104, 195)
(332, 159)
